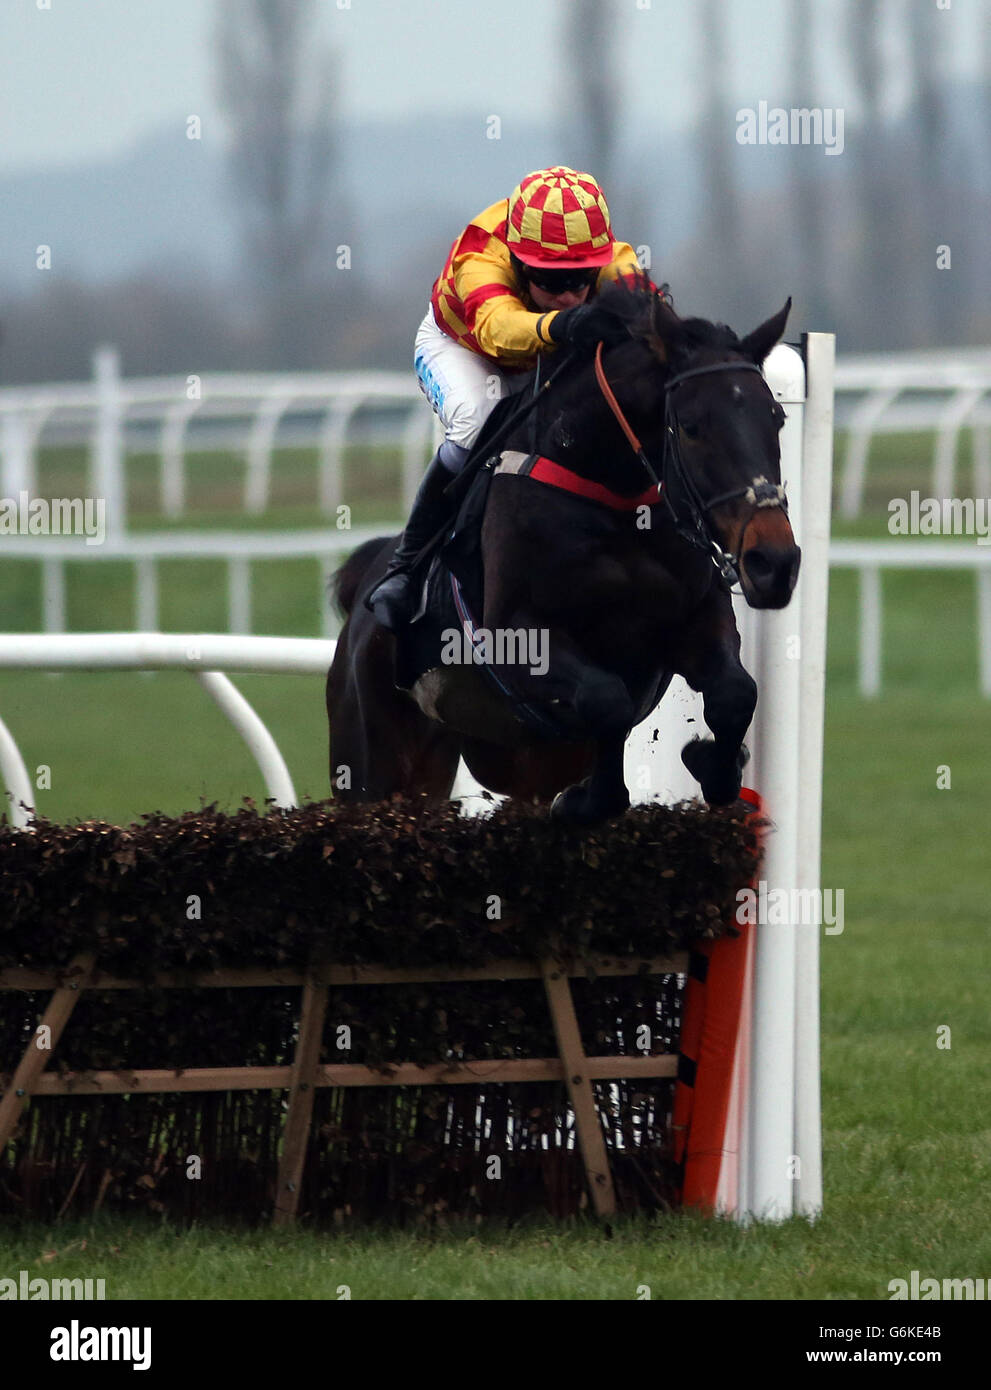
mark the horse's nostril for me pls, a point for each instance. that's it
(758, 565)
(772, 570)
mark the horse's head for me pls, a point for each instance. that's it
(722, 452)
(712, 420)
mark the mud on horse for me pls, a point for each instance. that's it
(615, 524)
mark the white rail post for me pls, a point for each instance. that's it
(981, 445)
(261, 743)
(239, 594)
(869, 664)
(53, 594)
(146, 593)
(16, 782)
(859, 436)
(330, 456)
(173, 449)
(261, 446)
(817, 470)
(768, 1186)
(108, 477)
(952, 421)
(984, 628)
(17, 471)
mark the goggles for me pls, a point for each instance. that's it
(561, 281)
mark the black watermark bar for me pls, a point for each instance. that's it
(176, 1340)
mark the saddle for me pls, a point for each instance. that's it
(452, 593)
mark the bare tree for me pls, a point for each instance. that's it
(932, 178)
(916, 197)
(811, 206)
(278, 94)
(721, 209)
(590, 27)
(875, 281)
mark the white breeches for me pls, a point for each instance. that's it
(461, 386)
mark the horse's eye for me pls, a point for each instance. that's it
(692, 431)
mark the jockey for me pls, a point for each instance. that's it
(516, 284)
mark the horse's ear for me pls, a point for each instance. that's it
(758, 344)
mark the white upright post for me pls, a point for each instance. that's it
(333, 437)
(261, 447)
(772, 1151)
(17, 800)
(817, 476)
(17, 472)
(984, 628)
(869, 658)
(108, 445)
(769, 1184)
(173, 451)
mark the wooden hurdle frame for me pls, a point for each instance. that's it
(571, 1065)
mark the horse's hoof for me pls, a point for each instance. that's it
(578, 806)
(720, 782)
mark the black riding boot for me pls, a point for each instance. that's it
(392, 598)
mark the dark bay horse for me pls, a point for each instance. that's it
(626, 592)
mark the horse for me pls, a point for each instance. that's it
(626, 569)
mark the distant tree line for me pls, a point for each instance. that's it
(854, 239)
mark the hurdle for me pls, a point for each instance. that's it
(769, 1162)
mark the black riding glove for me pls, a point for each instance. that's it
(586, 325)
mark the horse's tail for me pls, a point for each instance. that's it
(345, 582)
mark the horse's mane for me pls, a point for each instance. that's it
(635, 303)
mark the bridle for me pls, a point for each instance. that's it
(694, 527)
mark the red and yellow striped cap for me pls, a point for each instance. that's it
(559, 218)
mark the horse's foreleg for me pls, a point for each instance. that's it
(602, 794)
(712, 666)
(597, 706)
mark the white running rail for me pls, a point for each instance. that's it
(248, 413)
(201, 653)
(945, 391)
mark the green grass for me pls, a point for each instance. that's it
(906, 1127)
(679, 1256)
(288, 597)
(215, 488)
(896, 464)
(121, 743)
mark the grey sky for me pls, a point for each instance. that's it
(88, 77)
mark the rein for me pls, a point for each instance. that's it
(695, 528)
